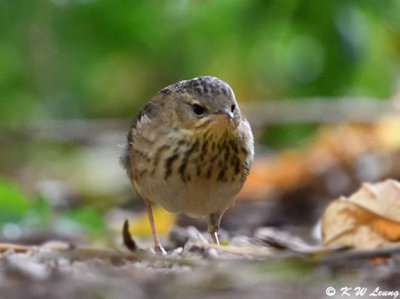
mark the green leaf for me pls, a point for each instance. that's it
(13, 203)
(287, 136)
(89, 219)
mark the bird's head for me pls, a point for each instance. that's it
(201, 102)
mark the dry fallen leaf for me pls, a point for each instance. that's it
(369, 218)
(333, 145)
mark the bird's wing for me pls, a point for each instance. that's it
(142, 119)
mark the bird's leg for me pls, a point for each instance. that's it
(157, 244)
(213, 226)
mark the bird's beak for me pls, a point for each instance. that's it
(227, 112)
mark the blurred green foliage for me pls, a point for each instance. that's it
(14, 205)
(23, 212)
(106, 58)
(89, 219)
(290, 135)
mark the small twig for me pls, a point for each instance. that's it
(317, 110)
(359, 255)
(17, 248)
(127, 237)
(260, 114)
(84, 253)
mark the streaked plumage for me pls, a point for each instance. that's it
(188, 161)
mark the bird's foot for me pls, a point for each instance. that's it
(160, 250)
(214, 236)
(213, 226)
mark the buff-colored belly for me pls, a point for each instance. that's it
(196, 198)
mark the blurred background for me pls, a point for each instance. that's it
(316, 78)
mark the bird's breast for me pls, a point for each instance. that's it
(197, 173)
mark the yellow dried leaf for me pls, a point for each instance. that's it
(387, 131)
(141, 227)
(381, 198)
(370, 218)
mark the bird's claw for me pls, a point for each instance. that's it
(214, 236)
(160, 250)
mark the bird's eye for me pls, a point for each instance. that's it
(233, 108)
(198, 110)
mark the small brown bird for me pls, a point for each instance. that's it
(190, 150)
